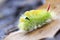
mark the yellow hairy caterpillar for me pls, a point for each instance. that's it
(33, 19)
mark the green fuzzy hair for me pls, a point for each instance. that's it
(33, 18)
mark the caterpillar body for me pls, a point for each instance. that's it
(34, 19)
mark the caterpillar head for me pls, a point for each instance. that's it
(31, 19)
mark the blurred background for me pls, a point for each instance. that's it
(10, 11)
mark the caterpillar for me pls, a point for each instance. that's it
(34, 19)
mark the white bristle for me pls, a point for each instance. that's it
(23, 16)
(49, 20)
(43, 23)
(39, 25)
(35, 27)
(53, 15)
(23, 32)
